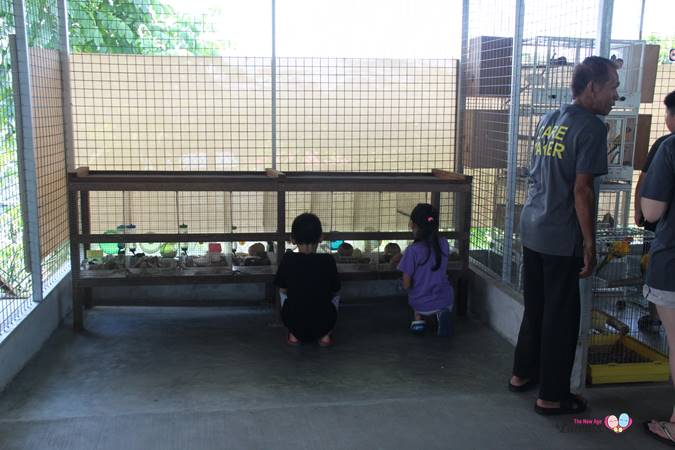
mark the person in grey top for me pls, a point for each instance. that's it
(557, 229)
(651, 320)
(669, 103)
(658, 204)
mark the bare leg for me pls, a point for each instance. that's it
(667, 316)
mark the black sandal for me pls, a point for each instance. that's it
(573, 404)
(529, 384)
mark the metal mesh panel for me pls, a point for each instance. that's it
(50, 157)
(356, 211)
(15, 283)
(665, 83)
(193, 113)
(487, 73)
(622, 299)
(620, 312)
(552, 46)
(166, 212)
(171, 113)
(50, 164)
(343, 114)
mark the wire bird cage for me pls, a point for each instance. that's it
(627, 341)
(548, 64)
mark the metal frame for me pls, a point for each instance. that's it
(578, 377)
(605, 12)
(461, 90)
(26, 148)
(64, 54)
(512, 156)
(274, 84)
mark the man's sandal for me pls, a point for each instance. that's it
(573, 404)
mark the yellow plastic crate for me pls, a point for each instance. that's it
(656, 369)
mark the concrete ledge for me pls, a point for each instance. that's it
(33, 331)
(496, 304)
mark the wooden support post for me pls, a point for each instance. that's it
(74, 230)
(85, 218)
(464, 225)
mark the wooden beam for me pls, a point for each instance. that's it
(447, 175)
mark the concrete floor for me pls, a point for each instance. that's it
(223, 378)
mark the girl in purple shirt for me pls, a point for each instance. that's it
(425, 267)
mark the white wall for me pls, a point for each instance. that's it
(30, 335)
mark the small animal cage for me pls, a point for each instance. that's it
(627, 342)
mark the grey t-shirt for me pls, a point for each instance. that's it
(660, 185)
(568, 142)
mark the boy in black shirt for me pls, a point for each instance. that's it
(308, 286)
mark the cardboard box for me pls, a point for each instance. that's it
(651, 59)
(486, 138)
(489, 66)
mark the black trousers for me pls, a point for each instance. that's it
(550, 328)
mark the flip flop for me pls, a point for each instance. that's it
(668, 441)
(418, 326)
(570, 405)
(529, 384)
(291, 342)
(326, 344)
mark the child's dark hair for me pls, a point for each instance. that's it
(669, 101)
(425, 217)
(306, 229)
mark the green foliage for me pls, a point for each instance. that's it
(666, 43)
(135, 27)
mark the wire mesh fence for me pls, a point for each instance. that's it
(154, 89)
(183, 113)
(487, 65)
(621, 318)
(551, 49)
(349, 114)
(15, 282)
(48, 138)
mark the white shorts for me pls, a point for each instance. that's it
(659, 297)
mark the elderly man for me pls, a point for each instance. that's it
(558, 234)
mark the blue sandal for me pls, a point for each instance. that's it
(418, 326)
